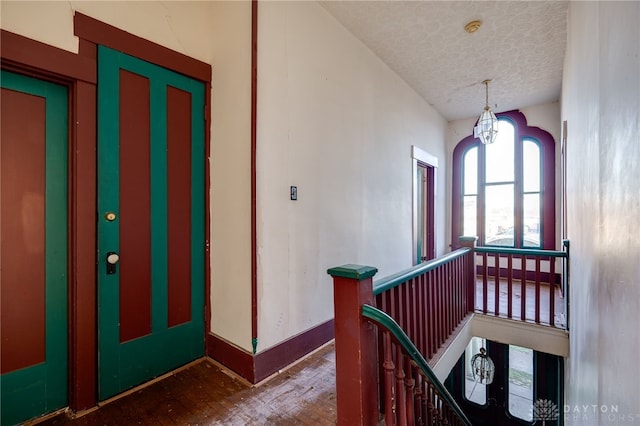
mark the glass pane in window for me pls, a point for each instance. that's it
(471, 172)
(499, 215)
(532, 230)
(521, 382)
(531, 166)
(470, 228)
(473, 390)
(499, 155)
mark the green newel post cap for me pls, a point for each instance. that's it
(356, 272)
(469, 239)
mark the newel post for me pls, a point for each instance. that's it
(470, 272)
(356, 372)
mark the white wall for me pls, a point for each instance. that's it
(339, 124)
(218, 33)
(601, 103)
(545, 116)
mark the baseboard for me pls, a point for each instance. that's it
(255, 368)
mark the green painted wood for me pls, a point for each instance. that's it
(521, 252)
(356, 272)
(384, 284)
(387, 323)
(124, 365)
(36, 390)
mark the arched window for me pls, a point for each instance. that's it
(504, 192)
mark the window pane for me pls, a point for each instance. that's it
(531, 166)
(499, 155)
(470, 228)
(532, 229)
(471, 172)
(473, 391)
(499, 215)
(521, 382)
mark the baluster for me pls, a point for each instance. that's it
(417, 397)
(457, 291)
(451, 290)
(421, 308)
(431, 407)
(523, 288)
(433, 312)
(485, 272)
(409, 384)
(496, 280)
(411, 304)
(537, 296)
(510, 284)
(552, 291)
(451, 299)
(401, 403)
(389, 367)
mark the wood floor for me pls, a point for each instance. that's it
(205, 394)
(516, 298)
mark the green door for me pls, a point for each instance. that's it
(33, 252)
(150, 221)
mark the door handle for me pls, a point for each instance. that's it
(112, 260)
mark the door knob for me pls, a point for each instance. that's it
(112, 260)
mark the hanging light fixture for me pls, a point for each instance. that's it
(487, 128)
(482, 367)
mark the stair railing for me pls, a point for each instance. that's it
(427, 302)
(413, 395)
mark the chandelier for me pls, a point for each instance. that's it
(487, 127)
(482, 367)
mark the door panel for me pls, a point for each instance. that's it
(34, 247)
(151, 178)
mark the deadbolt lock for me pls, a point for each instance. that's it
(110, 216)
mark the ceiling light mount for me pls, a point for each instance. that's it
(473, 26)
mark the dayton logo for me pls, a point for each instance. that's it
(544, 410)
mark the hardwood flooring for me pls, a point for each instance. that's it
(205, 394)
(516, 299)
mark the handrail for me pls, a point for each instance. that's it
(391, 281)
(382, 319)
(519, 251)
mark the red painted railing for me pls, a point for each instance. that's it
(428, 302)
(523, 284)
(416, 396)
(376, 374)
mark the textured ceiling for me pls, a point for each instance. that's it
(520, 47)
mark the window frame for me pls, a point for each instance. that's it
(522, 132)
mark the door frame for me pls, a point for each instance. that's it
(78, 72)
(421, 158)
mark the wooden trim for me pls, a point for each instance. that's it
(207, 208)
(254, 226)
(547, 191)
(232, 357)
(256, 368)
(274, 359)
(83, 354)
(35, 56)
(98, 32)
